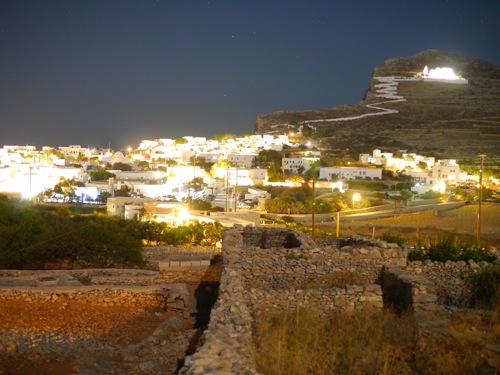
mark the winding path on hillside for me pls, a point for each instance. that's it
(387, 89)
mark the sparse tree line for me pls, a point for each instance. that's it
(42, 236)
(299, 200)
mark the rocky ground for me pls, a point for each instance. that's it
(74, 338)
(48, 338)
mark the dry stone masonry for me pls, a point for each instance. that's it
(275, 268)
(262, 269)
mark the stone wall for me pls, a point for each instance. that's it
(280, 269)
(277, 268)
(449, 279)
(128, 277)
(404, 292)
(107, 287)
(172, 296)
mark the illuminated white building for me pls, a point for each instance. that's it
(32, 179)
(295, 165)
(408, 161)
(447, 171)
(349, 173)
(443, 75)
(74, 150)
(241, 160)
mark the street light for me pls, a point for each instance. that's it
(355, 197)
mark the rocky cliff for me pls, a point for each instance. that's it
(400, 112)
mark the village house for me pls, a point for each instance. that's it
(349, 173)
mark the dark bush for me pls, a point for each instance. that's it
(486, 287)
(450, 248)
(431, 194)
(199, 204)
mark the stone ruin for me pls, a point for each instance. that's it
(283, 269)
(262, 268)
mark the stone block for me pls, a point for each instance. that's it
(425, 298)
(370, 299)
(372, 288)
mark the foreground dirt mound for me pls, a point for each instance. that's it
(48, 338)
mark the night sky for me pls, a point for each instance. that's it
(116, 72)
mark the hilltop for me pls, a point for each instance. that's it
(445, 119)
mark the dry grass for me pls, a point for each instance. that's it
(300, 342)
(463, 219)
(427, 225)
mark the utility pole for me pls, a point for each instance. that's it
(482, 156)
(313, 207)
(236, 190)
(337, 232)
(227, 186)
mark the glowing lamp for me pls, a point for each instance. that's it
(355, 197)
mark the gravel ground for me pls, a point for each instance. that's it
(71, 338)
(51, 338)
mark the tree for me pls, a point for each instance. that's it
(197, 182)
(285, 205)
(335, 163)
(124, 191)
(295, 178)
(219, 169)
(406, 194)
(313, 171)
(170, 162)
(122, 166)
(52, 235)
(422, 165)
(267, 159)
(181, 141)
(223, 137)
(487, 193)
(199, 204)
(66, 188)
(322, 206)
(103, 197)
(202, 163)
(100, 174)
(307, 131)
(143, 165)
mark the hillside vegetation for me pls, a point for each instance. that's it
(44, 237)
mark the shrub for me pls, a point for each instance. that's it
(485, 287)
(431, 194)
(199, 204)
(450, 248)
(36, 237)
(445, 249)
(391, 238)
